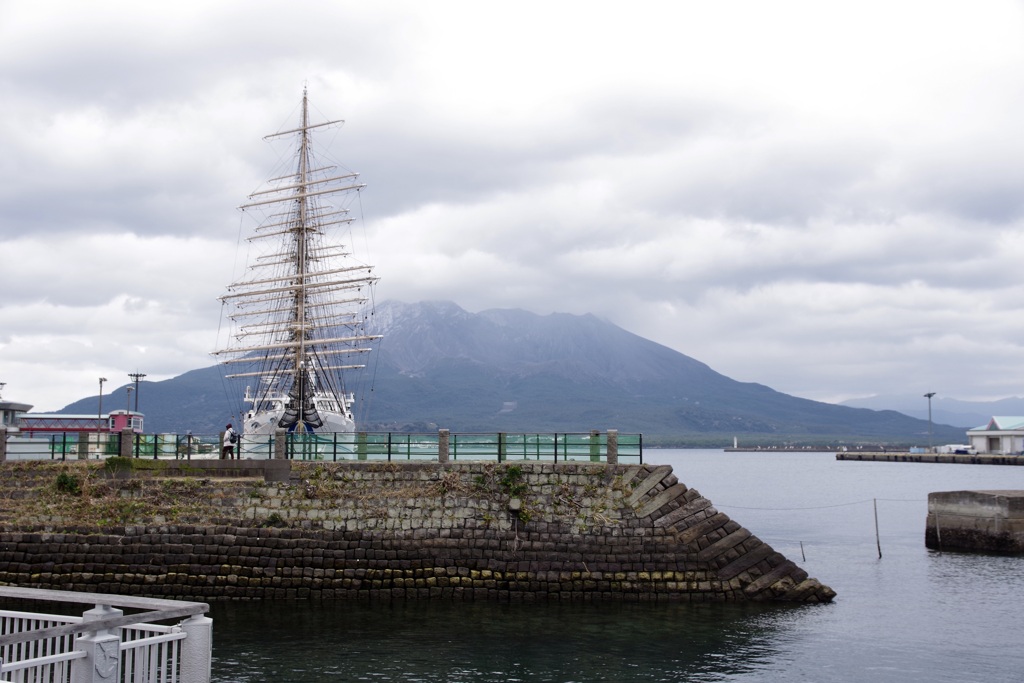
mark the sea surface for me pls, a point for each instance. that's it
(909, 615)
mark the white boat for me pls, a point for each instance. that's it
(297, 317)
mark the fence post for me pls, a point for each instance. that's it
(126, 443)
(501, 447)
(595, 445)
(280, 444)
(3, 444)
(196, 649)
(613, 447)
(442, 445)
(102, 663)
(361, 446)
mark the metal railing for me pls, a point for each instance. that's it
(555, 446)
(500, 446)
(104, 644)
(92, 446)
(63, 445)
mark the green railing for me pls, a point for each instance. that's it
(63, 446)
(500, 446)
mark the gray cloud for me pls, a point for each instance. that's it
(823, 200)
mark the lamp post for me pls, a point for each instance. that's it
(129, 390)
(136, 376)
(929, 397)
(99, 411)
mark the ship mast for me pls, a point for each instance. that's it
(301, 263)
(297, 310)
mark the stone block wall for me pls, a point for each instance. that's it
(982, 521)
(376, 530)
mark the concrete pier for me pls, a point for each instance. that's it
(946, 458)
(984, 521)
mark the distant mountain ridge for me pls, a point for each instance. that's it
(950, 411)
(510, 370)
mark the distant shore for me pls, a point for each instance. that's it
(896, 456)
(774, 449)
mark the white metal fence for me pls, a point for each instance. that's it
(104, 645)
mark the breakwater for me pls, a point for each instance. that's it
(377, 530)
(948, 458)
(985, 521)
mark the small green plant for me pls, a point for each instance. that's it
(512, 481)
(274, 519)
(117, 464)
(69, 483)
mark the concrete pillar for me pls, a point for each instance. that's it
(280, 444)
(613, 446)
(102, 662)
(3, 444)
(127, 443)
(443, 436)
(361, 446)
(196, 649)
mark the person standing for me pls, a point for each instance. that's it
(227, 451)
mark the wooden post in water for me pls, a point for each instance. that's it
(878, 540)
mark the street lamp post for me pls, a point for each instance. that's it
(99, 411)
(136, 376)
(929, 397)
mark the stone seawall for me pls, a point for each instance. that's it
(378, 530)
(980, 521)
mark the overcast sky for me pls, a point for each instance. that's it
(825, 198)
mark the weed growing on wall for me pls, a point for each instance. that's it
(69, 484)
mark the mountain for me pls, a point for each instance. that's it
(509, 370)
(950, 411)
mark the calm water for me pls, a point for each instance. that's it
(913, 615)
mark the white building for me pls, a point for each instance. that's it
(1004, 435)
(11, 414)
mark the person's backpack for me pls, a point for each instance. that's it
(234, 437)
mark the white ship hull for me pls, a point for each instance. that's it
(264, 422)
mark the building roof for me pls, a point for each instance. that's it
(1002, 423)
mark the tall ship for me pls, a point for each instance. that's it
(298, 315)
